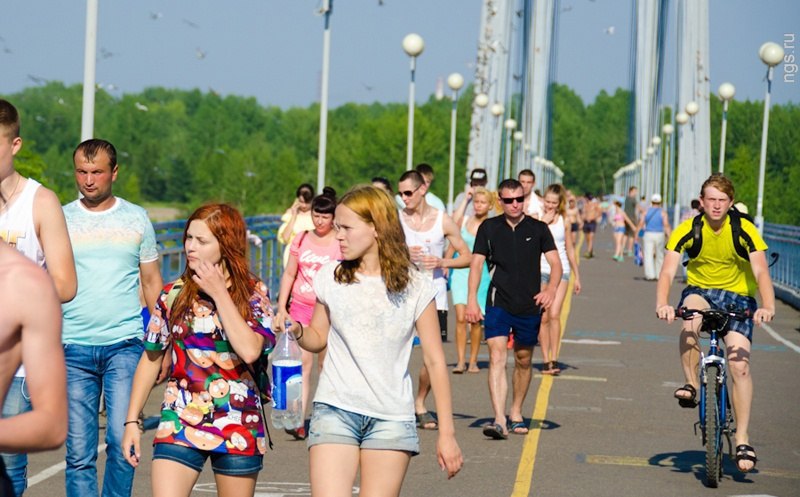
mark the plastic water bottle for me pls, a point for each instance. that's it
(287, 383)
(424, 251)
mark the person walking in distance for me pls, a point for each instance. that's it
(630, 208)
(32, 222)
(309, 252)
(30, 334)
(214, 317)
(368, 306)
(512, 244)
(426, 231)
(727, 265)
(296, 219)
(655, 224)
(591, 214)
(533, 204)
(482, 201)
(555, 200)
(114, 246)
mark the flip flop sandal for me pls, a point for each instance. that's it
(461, 370)
(494, 431)
(425, 420)
(517, 425)
(743, 453)
(687, 402)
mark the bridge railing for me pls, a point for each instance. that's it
(784, 240)
(266, 254)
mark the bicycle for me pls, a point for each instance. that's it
(716, 417)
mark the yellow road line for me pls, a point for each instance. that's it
(527, 460)
(572, 377)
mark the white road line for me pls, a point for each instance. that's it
(590, 341)
(54, 470)
(780, 338)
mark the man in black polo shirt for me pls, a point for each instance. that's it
(512, 245)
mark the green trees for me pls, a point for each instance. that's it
(186, 147)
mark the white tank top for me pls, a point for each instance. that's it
(18, 230)
(434, 240)
(559, 233)
(16, 224)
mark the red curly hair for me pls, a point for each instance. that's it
(230, 230)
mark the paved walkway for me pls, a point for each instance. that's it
(608, 426)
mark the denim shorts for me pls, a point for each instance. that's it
(724, 300)
(222, 464)
(499, 322)
(331, 425)
(546, 277)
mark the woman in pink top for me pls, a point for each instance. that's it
(310, 250)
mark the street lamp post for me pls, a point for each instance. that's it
(413, 44)
(692, 108)
(497, 110)
(89, 65)
(510, 124)
(681, 118)
(327, 8)
(771, 54)
(455, 81)
(726, 93)
(657, 176)
(667, 130)
(518, 138)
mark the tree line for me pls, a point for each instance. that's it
(186, 147)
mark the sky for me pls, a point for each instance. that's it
(272, 49)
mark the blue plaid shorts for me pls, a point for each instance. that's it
(725, 300)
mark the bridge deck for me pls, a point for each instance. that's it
(608, 426)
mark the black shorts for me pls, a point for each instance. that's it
(590, 226)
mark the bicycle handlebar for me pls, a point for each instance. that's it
(685, 313)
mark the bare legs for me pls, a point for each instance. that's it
(172, 479)
(550, 329)
(461, 340)
(498, 384)
(334, 468)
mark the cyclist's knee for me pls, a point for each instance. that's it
(739, 368)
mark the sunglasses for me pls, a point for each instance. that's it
(408, 193)
(511, 200)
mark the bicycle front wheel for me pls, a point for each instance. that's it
(713, 428)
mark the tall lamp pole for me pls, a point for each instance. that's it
(510, 124)
(327, 8)
(497, 109)
(667, 129)
(89, 65)
(658, 177)
(681, 118)
(455, 81)
(771, 54)
(413, 45)
(726, 92)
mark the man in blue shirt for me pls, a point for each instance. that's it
(115, 248)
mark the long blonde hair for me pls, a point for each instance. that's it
(376, 207)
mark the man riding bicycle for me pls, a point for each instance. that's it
(719, 277)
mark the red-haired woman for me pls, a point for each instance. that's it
(211, 405)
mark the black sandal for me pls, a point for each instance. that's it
(743, 454)
(686, 402)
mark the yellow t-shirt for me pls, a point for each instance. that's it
(717, 265)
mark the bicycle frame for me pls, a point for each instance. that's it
(716, 355)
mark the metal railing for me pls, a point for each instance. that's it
(266, 257)
(266, 254)
(784, 240)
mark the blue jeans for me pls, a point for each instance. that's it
(17, 402)
(90, 371)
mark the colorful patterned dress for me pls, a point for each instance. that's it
(211, 402)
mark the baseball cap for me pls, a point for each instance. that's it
(478, 177)
(656, 198)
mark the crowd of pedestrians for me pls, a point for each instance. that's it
(367, 279)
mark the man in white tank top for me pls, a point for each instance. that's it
(31, 221)
(426, 230)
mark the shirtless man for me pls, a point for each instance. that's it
(30, 334)
(591, 214)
